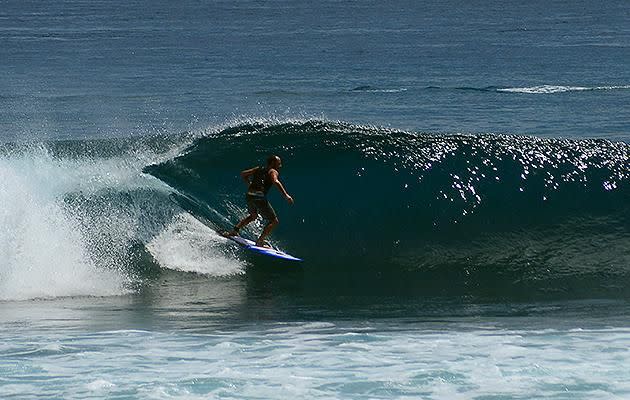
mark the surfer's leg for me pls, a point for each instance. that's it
(268, 213)
(268, 228)
(241, 224)
(253, 214)
(245, 221)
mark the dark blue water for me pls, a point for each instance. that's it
(461, 175)
(74, 69)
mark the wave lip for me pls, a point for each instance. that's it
(551, 89)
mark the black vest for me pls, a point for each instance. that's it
(260, 180)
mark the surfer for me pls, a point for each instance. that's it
(259, 180)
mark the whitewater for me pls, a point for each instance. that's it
(75, 223)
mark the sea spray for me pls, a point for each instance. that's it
(42, 249)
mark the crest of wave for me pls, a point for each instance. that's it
(549, 89)
(42, 251)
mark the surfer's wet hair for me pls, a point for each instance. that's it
(271, 159)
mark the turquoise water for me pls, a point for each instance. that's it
(461, 175)
(228, 343)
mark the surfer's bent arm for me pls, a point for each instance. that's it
(246, 174)
(276, 181)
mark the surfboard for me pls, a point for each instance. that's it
(251, 246)
(202, 214)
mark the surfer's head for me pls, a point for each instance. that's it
(274, 162)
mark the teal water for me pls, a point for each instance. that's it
(430, 215)
(222, 341)
(461, 174)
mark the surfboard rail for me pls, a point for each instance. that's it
(251, 245)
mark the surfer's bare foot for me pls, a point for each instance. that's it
(230, 233)
(263, 244)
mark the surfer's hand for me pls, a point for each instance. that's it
(289, 199)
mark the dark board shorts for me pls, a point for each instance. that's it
(260, 205)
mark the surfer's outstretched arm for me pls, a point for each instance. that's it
(276, 181)
(246, 174)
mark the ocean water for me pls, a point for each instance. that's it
(461, 172)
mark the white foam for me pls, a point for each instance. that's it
(42, 252)
(452, 361)
(188, 245)
(374, 90)
(549, 89)
(65, 232)
(99, 385)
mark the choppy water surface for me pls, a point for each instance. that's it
(278, 347)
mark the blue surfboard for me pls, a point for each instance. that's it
(251, 246)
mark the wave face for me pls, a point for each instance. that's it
(377, 211)
(380, 210)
